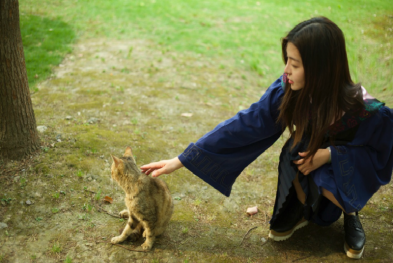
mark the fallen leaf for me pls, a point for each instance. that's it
(186, 115)
(252, 210)
(108, 199)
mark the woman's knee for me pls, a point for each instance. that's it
(329, 195)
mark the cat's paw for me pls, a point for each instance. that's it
(116, 240)
(147, 245)
(124, 214)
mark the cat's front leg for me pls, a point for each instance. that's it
(150, 238)
(126, 232)
(124, 214)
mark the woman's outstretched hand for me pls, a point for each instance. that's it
(162, 167)
(305, 166)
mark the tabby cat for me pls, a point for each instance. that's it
(148, 201)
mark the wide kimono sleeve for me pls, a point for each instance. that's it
(362, 166)
(222, 154)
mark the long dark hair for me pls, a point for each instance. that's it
(328, 90)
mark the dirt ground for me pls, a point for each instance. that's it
(109, 94)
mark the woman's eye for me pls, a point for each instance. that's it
(294, 66)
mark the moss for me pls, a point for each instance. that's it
(41, 168)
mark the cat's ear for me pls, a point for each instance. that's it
(128, 152)
(116, 160)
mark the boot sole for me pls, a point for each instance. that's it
(351, 253)
(281, 236)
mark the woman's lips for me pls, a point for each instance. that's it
(290, 81)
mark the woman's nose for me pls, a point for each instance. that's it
(287, 69)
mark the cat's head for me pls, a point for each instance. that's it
(124, 167)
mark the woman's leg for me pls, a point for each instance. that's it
(299, 190)
(354, 234)
(302, 196)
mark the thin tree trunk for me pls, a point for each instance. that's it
(18, 131)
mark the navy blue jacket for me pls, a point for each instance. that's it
(356, 172)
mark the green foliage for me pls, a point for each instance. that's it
(68, 259)
(56, 248)
(185, 230)
(22, 182)
(79, 173)
(98, 195)
(6, 200)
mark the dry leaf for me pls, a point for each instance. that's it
(186, 114)
(108, 199)
(252, 210)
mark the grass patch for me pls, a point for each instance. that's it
(248, 31)
(45, 43)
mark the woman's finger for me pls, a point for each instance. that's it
(147, 172)
(155, 165)
(298, 162)
(158, 172)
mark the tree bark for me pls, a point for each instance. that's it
(18, 130)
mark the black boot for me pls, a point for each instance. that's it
(355, 238)
(290, 220)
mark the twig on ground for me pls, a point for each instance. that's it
(247, 234)
(130, 249)
(103, 210)
(301, 258)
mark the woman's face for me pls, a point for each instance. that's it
(294, 67)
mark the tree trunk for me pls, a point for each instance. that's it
(18, 131)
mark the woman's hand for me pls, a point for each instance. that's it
(305, 166)
(162, 167)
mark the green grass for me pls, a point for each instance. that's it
(45, 43)
(247, 31)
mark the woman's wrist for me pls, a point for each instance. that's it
(330, 155)
(178, 164)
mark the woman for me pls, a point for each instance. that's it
(338, 156)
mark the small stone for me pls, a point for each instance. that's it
(68, 118)
(263, 240)
(16, 178)
(204, 187)
(90, 178)
(93, 120)
(3, 225)
(28, 202)
(41, 128)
